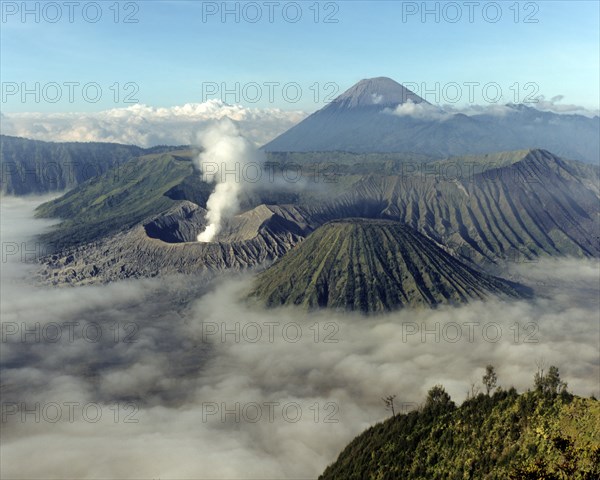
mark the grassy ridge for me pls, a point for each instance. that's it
(505, 436)
(34, 166)
(118, 199)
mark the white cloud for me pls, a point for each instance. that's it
(554, 105)
(471, 110)
(147, 126)
(425, 111)
(172, 370)
(421, 111)
(376, 98)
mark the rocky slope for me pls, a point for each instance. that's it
(526, 203)
(485, 210)
(264, 234)
(372, 266)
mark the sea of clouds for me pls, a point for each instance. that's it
(173, 386)
(427, 111)
(147, 126)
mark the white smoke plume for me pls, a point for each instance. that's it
(225, 152)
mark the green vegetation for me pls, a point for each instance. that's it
(549, 383)
(490, 379)
(118, 199)
(33, 167)
(545, 434)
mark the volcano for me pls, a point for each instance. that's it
(381, 115)
(373, 266)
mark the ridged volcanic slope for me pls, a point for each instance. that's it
(372, 266)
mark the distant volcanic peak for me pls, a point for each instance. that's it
(376, 92)
(537, 163)
(372, 266)
(508, 159)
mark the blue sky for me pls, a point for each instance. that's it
(173, 55)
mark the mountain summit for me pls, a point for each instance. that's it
(358, 120)
(367, 118)
(380, 92)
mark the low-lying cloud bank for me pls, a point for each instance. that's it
(215, 389)
(426, 111)
(554, 104)
(147, 126)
